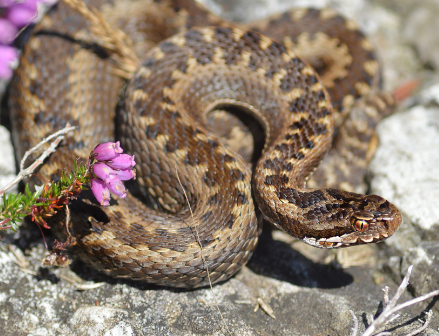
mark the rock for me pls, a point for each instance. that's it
(418, 27)
(47, 301)
(259, 9)
(404, 170)
(405, 165)
(425, 257)
(102, 321)
(7, 163)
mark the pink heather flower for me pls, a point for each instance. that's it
(100, 191)
(109, 168)
(122, 161)
(116, 186)
(101, 170)
(8, 56)
(22, 13)
(15, 14)
(8, 31)
(125, 174)
(6, 3)
(107, 151)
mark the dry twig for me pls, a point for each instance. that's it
(428, 315)
(387, 315)
(29, 170)
(355, 327)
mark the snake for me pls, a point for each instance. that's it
(194, 214)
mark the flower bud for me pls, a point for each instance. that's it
(107, 151)
(100, 191)
(122, 161)
(63, 261)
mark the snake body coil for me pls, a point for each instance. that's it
(162, 120)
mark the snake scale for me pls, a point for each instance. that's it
(163, 116)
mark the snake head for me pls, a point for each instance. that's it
(376, 221)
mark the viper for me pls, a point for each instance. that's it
(195, 210)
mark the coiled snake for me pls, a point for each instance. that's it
(163, 119)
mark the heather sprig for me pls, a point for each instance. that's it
(56, 195)
(16, 206)
(44, 202)
(103, 176)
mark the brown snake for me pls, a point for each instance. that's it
(163, 119)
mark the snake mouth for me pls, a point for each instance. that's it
(322, 242)
(345, 240)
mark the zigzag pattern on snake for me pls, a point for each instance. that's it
(163, 119)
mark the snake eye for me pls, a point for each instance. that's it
(361, 225)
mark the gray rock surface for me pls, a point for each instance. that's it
(426, 258)
(405, 166)
(307, 299)
(405, 170)
(310, 291)
(7, 162)
(418, 23)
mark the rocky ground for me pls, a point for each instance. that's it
(309, 291)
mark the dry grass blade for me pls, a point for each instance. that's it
(266, 308)
(201, 252)
(111, 39)
(79, 283)
(20, 260)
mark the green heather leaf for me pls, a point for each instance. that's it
(13, 200)
(55, 189)
(3, 204)
(6, 200)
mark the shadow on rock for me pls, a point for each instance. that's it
(87, 273)
(280, 261)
